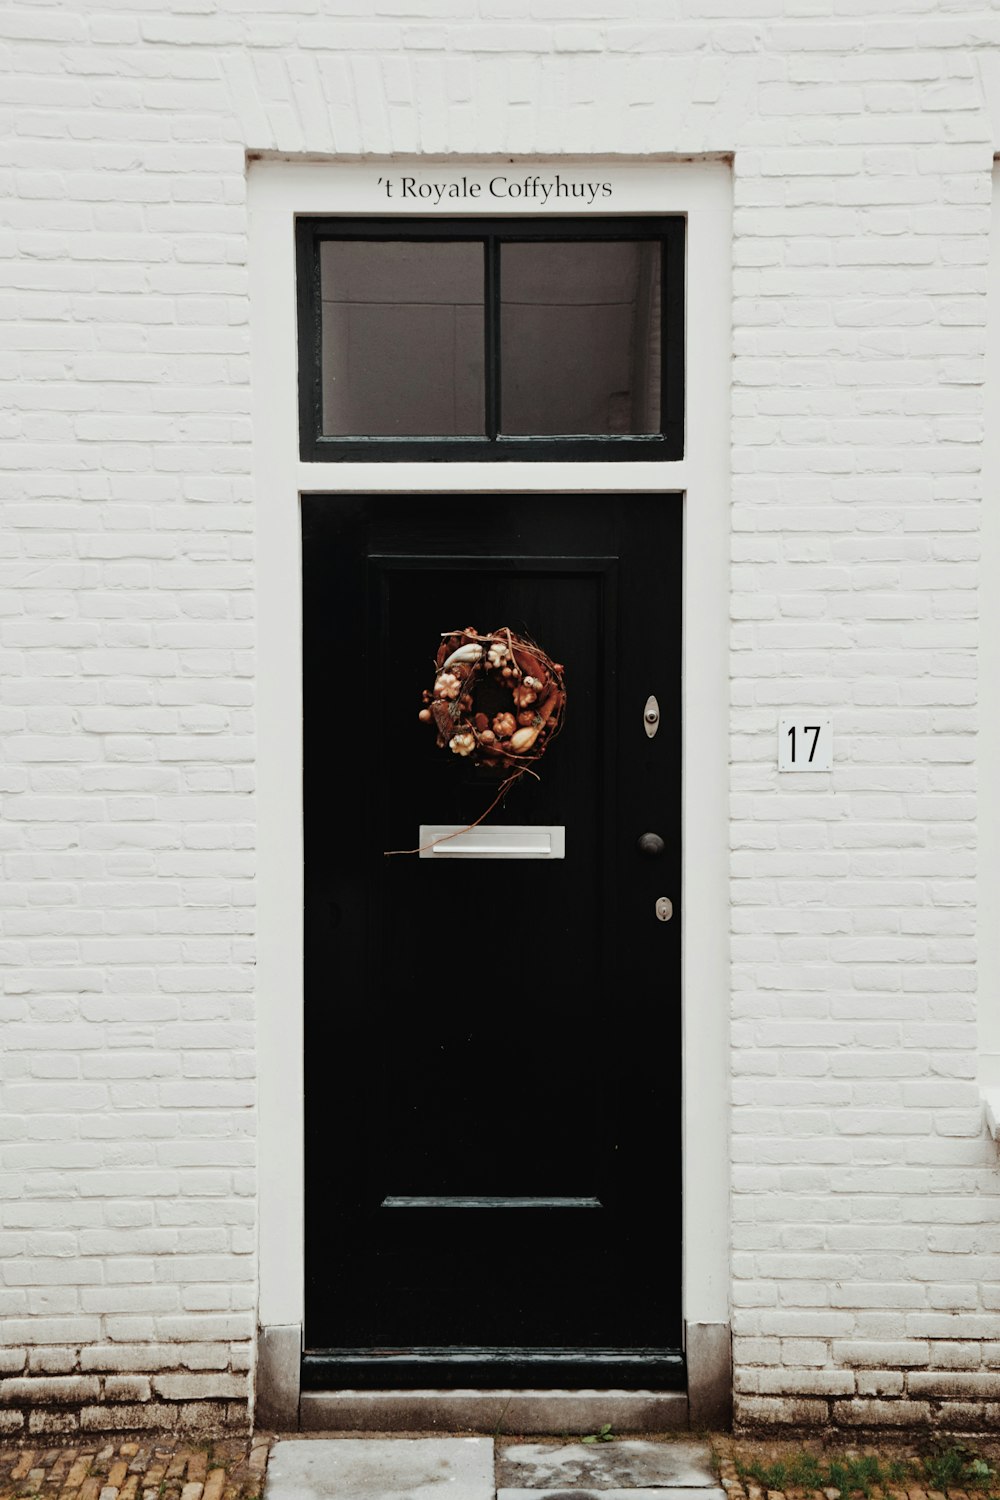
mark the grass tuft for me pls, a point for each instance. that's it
(867, 1474)
(956, 1467)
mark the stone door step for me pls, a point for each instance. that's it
(493, 1412)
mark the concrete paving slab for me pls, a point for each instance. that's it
(625, 1464)
(676, 1493)
(380, 1469)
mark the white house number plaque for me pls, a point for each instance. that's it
(805, 743)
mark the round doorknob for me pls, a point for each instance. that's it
(651, 845)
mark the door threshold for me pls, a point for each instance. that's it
(500, 1413)
(488, 1369)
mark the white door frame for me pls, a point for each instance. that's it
(278, 190)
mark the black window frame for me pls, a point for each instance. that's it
(667, 445)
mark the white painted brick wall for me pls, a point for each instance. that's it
(866, 1276)
(126, 639)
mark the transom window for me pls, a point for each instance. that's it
(491, 339)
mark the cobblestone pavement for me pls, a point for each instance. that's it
(172, 1468)
(136, 1469)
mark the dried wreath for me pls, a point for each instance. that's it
(505, 732)
(498, 701)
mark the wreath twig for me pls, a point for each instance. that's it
(504, 789)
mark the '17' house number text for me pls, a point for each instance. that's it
(805, 743)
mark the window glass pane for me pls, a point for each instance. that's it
(402, 339)
(580, 338)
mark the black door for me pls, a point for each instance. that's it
(493, 1046)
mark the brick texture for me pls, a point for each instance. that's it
(866, 1274)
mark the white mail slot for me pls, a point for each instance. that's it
(512, 841)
